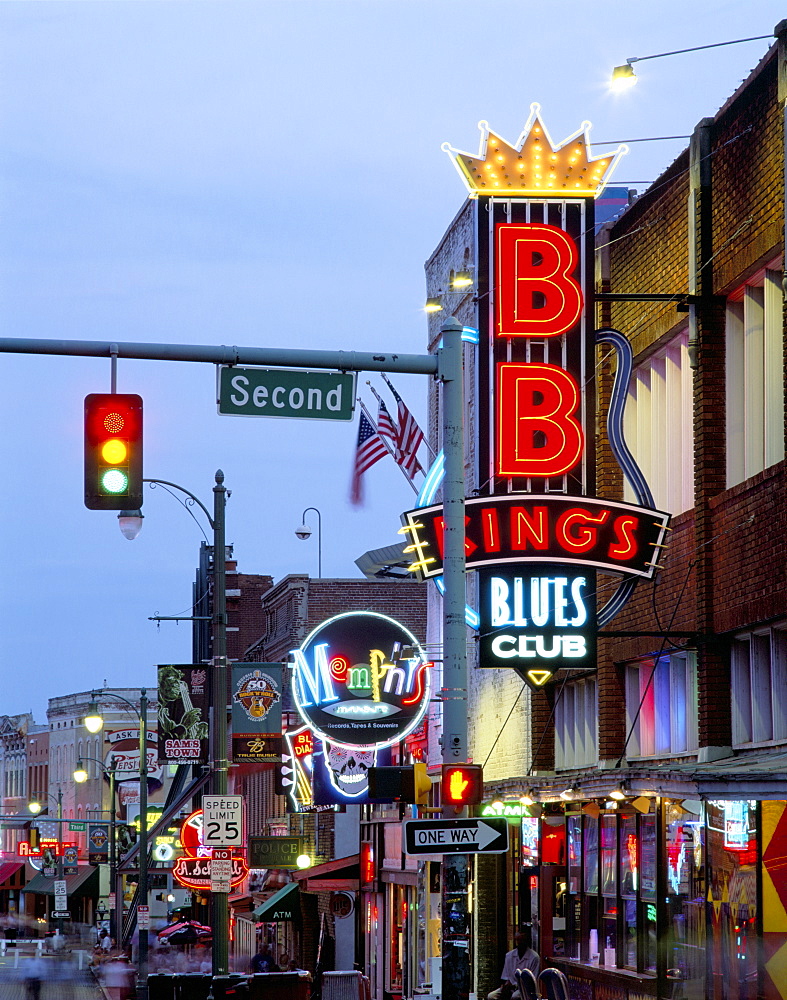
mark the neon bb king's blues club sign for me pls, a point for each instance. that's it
(535, 529)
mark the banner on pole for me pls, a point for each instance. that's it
(183, 714)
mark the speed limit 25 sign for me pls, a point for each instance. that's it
(222, 820)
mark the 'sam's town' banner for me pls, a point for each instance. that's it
(534, 527)
(183, 706)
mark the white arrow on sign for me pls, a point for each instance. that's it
(451, 836)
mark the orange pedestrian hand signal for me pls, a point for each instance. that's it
(458, 784)
(462, 784)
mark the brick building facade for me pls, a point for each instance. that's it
(685, 711)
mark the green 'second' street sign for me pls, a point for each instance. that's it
(281, 392)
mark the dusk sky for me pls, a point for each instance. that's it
(262, 174)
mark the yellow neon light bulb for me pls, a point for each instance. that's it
(114, 451)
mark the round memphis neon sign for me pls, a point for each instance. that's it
(361, 680)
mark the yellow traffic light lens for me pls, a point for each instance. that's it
(114, 481)
(114, 451)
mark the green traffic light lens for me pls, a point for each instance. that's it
(114, 481)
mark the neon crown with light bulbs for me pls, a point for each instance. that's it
(535, 166)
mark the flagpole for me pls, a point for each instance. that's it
(385, 441)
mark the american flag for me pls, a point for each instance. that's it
(369, 449)
(409, 436)
(386, 428)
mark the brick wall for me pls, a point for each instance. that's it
(725, 566)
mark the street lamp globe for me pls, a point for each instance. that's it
(80, 774)
(303, 532)
(35, 807)
(94, 723)
(130, 523)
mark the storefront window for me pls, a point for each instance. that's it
(574, 850)
(609, 872)
(397, 910)
(611, 889)
(647, 849)
(684, 854)
(732, 888)
(573, 903)
(629, 884)
(591, 854)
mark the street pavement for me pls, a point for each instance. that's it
(61, 978)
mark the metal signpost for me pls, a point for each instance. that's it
(446, 365)
(454, 836)
(61, 900)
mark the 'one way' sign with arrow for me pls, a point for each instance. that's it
(455, 836)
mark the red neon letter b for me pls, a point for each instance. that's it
(537, 433)
(536, 295)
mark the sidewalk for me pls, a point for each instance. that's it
(62, 980)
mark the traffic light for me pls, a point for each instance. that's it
(34, 838)
(400, 784)
(463, 784)
(113, 451)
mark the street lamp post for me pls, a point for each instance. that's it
(81, 776)
(130, 525)
(305, 531)
(93, 723)
(59, 800)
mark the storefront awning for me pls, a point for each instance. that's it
(283, 905)
(7, 871)
(332, 876)
(84, 883)
(739, 775)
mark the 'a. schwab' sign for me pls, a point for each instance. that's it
(361, 680)
(278, 392)
(535, 520)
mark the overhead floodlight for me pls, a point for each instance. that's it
(433, 305)
(460, 280)
(623, 77)
(620, 793)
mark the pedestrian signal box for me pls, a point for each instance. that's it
(400, 784)
(462, 784)
(113, 451)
